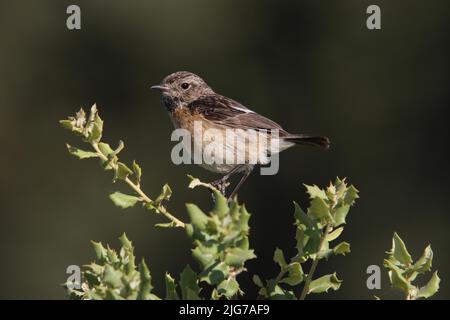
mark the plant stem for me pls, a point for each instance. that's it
(314, 264)
(138, 190)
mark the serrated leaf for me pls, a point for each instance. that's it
(244, 217)
(100, 252)
(424, 263)
(171, 288)
(165, 194)
(228, 288)
(325, 283)
(295, 274)
(125, 242)
(342, 248)
(220, 204)
(145, 286)
(278, 257)
(81, 154)
(340, 214)
(351, 195)
(399, 251)
(112, 255)
(123, 200)
(122, 171)
(318, 209)
(189, 284)
(112, 277)
(96, 269)
(396, 277)
(205, 255)
(430, 288)
(236, 257)
(215, 273)
(278, 293)
(198, 218)
(96, 130)
(315, 192)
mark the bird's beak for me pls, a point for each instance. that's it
(159, 88)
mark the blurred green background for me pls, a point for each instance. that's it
(381, 96)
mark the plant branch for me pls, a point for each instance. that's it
(314, 263)
(138, 190)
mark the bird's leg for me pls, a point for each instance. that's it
(222, 183)
(244, 177)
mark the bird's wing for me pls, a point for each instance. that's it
(230, 113)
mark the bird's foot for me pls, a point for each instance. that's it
(221, 185)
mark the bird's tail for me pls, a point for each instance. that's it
(303, 139)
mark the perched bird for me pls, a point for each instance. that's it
(188, 99)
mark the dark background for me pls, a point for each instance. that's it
(313, 66)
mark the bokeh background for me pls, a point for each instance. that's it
(381, 96)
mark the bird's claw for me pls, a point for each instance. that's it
(220, 185)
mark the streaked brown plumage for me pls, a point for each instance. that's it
(188, 98)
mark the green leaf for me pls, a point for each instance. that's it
(126, 253)
(165, 194)
(105, 149)
(81, 154)
(145, 287)
(335, 234)
(340, 215)
(257, 280)
(137, 172)
(430, 288)
(244, 217)
(342, 248)
(96, 130)
(215, 273)
(67, 124)
(220, 204)
(278, 293)
(295, 274)
(113, 295)
(301, 218)
(205, 255)
(399, 252)
(189, 284)
(123, 200)
(315, 192)
(112, 277)
(198, 218)
(325, 283)
(228, 288)
(236, 257)
(278, 257)
(425, 261)
(171, 288)
(100, 252)
(122, 171)
(396, 277)
(318, 209)
(351, 195)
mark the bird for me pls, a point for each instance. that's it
(189, 100)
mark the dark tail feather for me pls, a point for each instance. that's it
(317, 141)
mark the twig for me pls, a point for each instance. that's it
(138, 190)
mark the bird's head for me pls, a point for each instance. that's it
(181, 88)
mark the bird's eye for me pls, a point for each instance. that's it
(185, 86)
